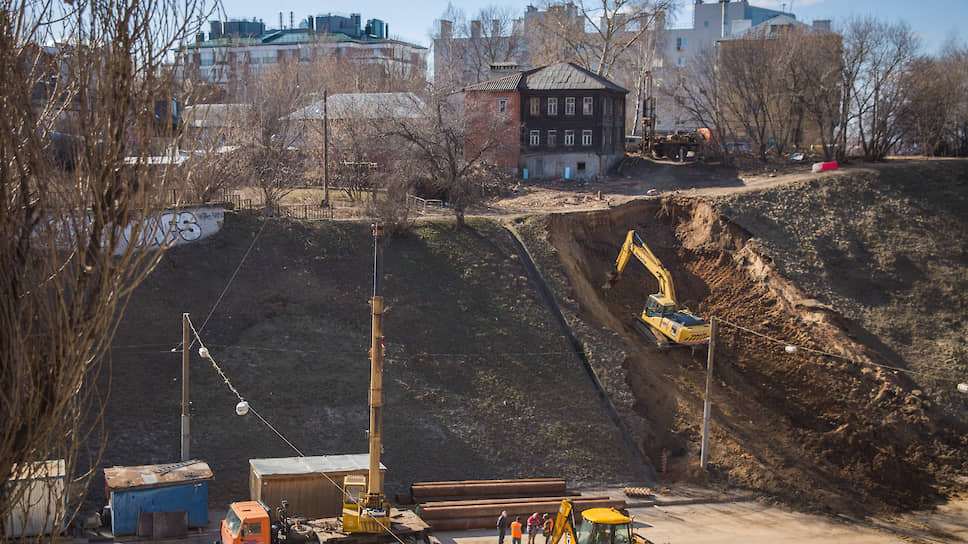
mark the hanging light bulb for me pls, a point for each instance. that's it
(203, 352)
(963, 387)
(790, 349)
(242, 408)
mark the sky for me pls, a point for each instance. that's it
(934, 21)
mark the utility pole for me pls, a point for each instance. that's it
(185, 435)
(707, 402)
(325, 146)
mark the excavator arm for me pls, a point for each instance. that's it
(565, 522)
(634, 245)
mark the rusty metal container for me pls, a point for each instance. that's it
(312, 485)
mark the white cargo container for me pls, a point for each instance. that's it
(42, 502)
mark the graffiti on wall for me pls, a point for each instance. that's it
(174, 227)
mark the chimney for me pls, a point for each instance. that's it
(292, 21)
(446, 29)
(475, 29)
(495, 28)
(822, 24)
(280, 21)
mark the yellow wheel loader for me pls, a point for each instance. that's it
(598, 526)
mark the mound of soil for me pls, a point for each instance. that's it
(834, 432)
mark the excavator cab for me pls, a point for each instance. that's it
(659, 305)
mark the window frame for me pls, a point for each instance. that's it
(586, 138)
(570, 105)
(502, 105)
(534, 138)
(569, 138)
(552, 138)
(535, 106)
(552, 105)
(588, 105)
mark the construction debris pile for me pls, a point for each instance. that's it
(476, 504)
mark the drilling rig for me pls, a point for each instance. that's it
(366, 517)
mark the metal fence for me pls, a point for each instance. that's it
(425, 206)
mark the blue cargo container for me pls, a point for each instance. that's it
(134, 491)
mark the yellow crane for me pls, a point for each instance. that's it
(598, 526)
(661, 312)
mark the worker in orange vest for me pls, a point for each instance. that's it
(516, 530)
(549, 524)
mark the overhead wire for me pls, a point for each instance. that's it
(830, 354)
(229, 282)
(205, 353)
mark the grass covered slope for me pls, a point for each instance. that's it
(885, 247)
(479, 382)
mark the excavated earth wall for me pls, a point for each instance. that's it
(825, 427)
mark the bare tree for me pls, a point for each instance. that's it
(273, 159)
(703, 95)
(451, 146)
(935, 102)
(815, 81)
(465, 50)
(598, 33)
(751, 93)
(78, 222)
(875, 57)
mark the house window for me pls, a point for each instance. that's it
(535, 107)
(681, 62)
(569, 137)
(570, 105)
(552, 105)
(586, 137)
(586, 105)
(502, 105)
(552, 138)
(681, 43)
(534, 138)
(581, 167)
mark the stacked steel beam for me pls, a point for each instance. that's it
(476, 504)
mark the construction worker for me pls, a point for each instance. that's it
(549, 525)
(502, 526)
(534, 522)
(516, 531)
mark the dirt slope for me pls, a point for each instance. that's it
(479, 382)
(820, 432)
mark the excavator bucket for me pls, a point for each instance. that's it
(611, 279)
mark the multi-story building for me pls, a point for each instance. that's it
(712, 22)
(562, 120)
(236, 51)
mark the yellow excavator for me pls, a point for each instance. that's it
(598, 526)
(661, 315)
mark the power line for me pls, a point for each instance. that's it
(229, 283)
(798, 347)
(206, 354)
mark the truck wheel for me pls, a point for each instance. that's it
(299, 533)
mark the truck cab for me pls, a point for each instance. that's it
(246, 522)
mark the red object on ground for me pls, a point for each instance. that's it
(824, 166)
